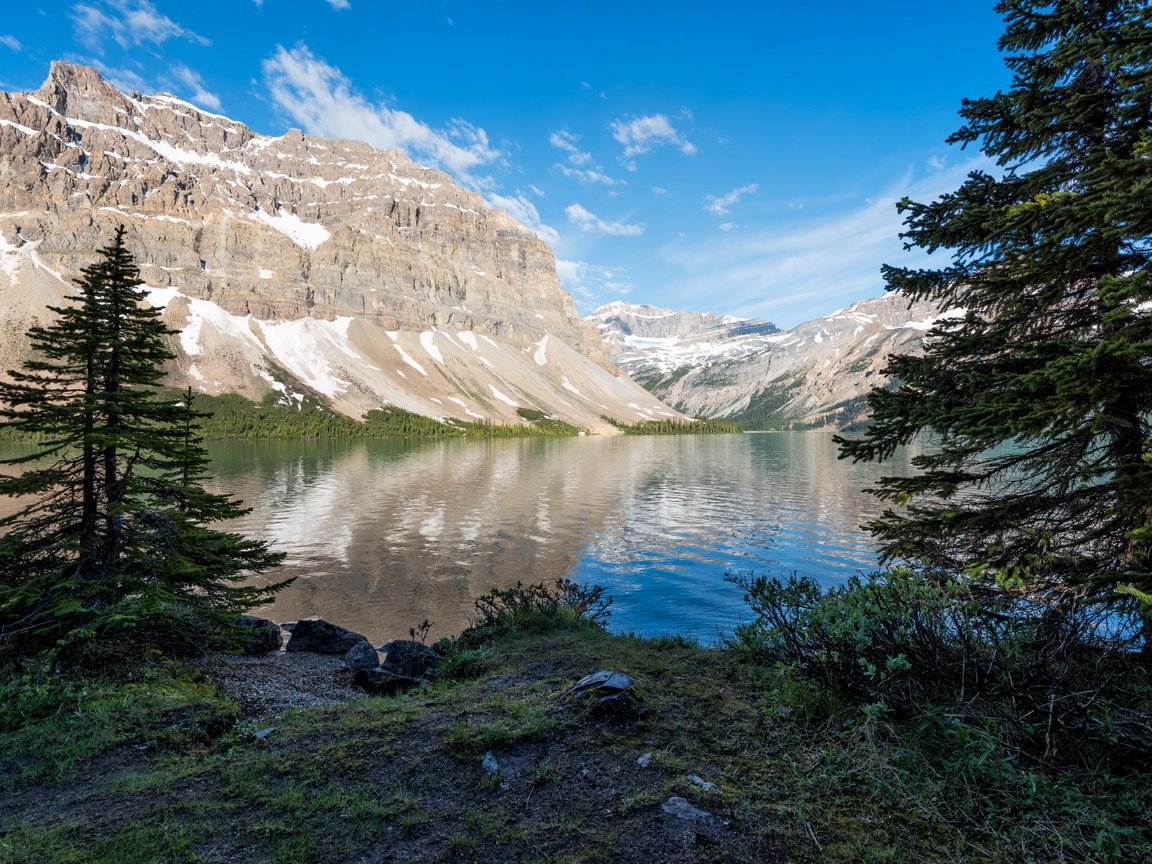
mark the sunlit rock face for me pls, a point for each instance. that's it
(303, 264)
(815, 375)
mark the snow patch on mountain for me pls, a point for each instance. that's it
(309, 235)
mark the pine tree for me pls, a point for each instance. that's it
(114, 534)
(1035, 399)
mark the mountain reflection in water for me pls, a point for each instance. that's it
(382, 535)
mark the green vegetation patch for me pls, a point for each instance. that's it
(768, 409)
(696, 426)
(233, 416)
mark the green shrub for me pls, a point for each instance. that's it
(1050, 677)
(537, 607)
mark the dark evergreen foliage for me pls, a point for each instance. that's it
(114, 533)
(230, 415)
(1036, 400)
(696, 426)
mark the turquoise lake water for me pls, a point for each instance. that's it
(383, 535)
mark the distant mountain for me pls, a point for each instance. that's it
(293, 264)
(815, 375)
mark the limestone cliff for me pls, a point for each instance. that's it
(293, 262)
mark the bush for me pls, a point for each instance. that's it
(1051, 678)
(537, 607)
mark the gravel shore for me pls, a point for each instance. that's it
(270, 684)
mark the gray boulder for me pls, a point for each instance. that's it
(608, 693)
(260, 635)
(361, 656)
(321, 637)
(410, 659)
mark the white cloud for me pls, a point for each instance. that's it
(130, 23)
(935, 163)
(562, 139)
(11, 42)
(322, 101)
(585, 220)
(592, 285)
(581, 165)
(200, 95)
(589, 175)
(523, 211)
(799, 270)
(340, 4)
(718, 204)
(726, 226)
(640, 134)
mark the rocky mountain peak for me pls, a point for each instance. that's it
(816, 374)
(240, 233)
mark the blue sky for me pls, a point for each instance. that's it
(733, 157)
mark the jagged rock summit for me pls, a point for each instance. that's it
(815, 375)
(300, 264)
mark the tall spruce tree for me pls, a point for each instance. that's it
(115, 533)
(1036, 400)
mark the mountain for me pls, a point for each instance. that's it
(302, 265)
(815, 375)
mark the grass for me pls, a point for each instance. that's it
(799, 777)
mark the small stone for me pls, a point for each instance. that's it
(702, 783)
(645, 760)
(489, 763)
(681, 809)
(263, 733)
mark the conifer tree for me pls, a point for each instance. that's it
(1036, 398)
(115, 532)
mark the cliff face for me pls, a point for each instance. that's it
(816, 374)
(294, 262)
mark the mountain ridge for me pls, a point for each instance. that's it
(814, 375)
(314, 265)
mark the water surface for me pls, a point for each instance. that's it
(383, 535)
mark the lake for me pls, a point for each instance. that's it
(382, 535)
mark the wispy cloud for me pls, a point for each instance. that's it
(340, 4)
(592, 285)
(718, 205)
(799, 270)
(640, 135)
(322, 100)
(520, 208)
(588, 175)
(199, 94)
(130, 23)
(581, 166)
(585, 220)
(11, 42)
(564, 140)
